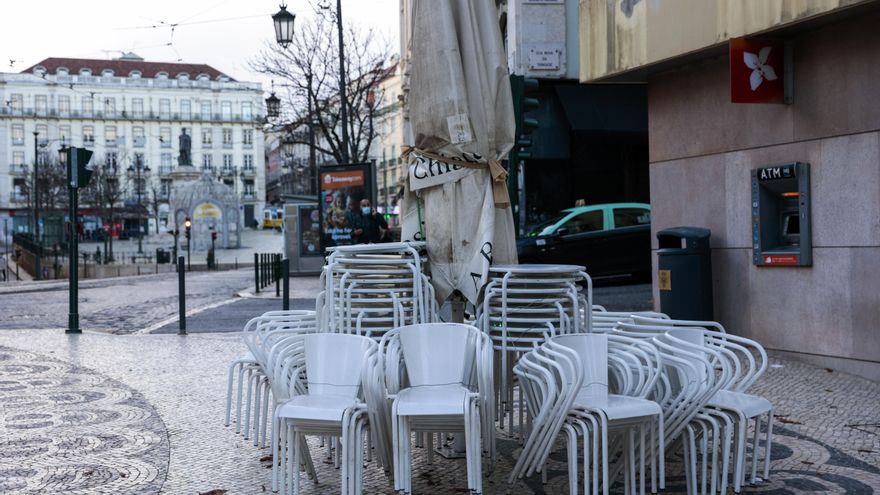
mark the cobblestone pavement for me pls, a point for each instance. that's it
(122, 305)
(143, 414)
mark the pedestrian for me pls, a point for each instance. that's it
(3, 267)
(368, 226)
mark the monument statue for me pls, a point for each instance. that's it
(184, 143)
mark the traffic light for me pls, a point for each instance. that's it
(187, 225)
(213, 236)
(77, 173)
(521, 87)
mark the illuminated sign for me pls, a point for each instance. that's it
(756, 71)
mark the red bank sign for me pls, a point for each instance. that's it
(756, 71)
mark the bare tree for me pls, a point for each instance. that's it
(308, 72)
(51, 180)
(105, 193)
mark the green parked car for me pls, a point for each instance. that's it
(609, 239)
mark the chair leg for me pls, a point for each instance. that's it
(266, 414)
(247, 407)
(642, 459)
(768, 445)
(755, 450)
(238, 398)
(739, 465)
(296, 461)
(661, 441)
(229, 379)
(725, 455)
(571, 451)
(258, 396)
(292, 468)
(275, 456)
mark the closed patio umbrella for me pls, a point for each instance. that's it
(462, 120)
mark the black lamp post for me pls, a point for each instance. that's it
(135, 171)
(283, 21)
(38, 238)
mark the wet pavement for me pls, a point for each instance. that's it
(133, 409)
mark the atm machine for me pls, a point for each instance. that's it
(781, 234)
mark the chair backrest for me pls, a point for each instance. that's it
(334, 362)
(438, 353)
(592, 349)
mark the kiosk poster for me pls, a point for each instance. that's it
(341, 190)
(309, 230)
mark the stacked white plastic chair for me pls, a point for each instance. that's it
(734, 363)
(566, 384)
(521, 306)
(372, 288)
(260, 335)
(439, 377)
(333, 403)
(604, 320)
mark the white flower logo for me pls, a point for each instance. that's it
(760, 69)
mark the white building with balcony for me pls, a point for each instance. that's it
(130, 111)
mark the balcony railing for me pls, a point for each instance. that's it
(165, 169)
(248, 171)
(18, 197)
(18, 169)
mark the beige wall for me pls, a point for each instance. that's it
(702, 149)
(613, 40)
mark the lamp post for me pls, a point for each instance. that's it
(283, 21)
(38, 268)
(111, 185)
(135, 171)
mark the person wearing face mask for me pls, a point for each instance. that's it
(368, 226)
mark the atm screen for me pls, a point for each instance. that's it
(792, 224)
(791, 228)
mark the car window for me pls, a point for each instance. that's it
(585, 222)
(545, 227)
(627, 217)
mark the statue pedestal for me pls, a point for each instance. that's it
(184, 173)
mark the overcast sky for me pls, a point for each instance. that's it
(222, 33)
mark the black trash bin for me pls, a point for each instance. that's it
(162, 256)
(684, 273)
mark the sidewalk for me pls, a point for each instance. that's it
(98, 413)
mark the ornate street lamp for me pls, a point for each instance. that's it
(284, 36)
(273, 106)
(283, 21)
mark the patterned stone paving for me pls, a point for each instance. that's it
(98, 414)
(69, 429)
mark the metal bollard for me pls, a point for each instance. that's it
(277, 274)
(181, 294)
(257, 272)
(285, 274)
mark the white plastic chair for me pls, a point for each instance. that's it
(448, 386)
(332, 406)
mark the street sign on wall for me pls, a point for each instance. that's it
(757, 71)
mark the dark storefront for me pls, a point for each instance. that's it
(591, 145)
